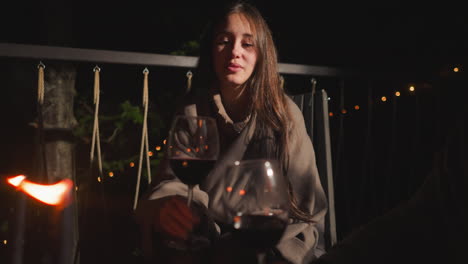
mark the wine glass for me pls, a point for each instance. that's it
(256, 204)
(193, 147)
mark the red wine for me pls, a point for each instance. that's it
(259, 231)
(191, 171)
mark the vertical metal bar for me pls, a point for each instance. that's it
(329, 169)
(312, 106)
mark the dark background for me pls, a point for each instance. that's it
(381, 153)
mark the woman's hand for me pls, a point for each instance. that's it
(174, 218)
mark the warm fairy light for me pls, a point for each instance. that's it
(330, 114)
(184, 163)
(111, 174)
(356, 107)
(206, 147)
(132, 164)
(5, 242)
(158, 148)
(236, 163)
(188, 150)
(229, 189)
(164, 142)
(99, 179)
(344, 111)
(241, 192)
(53, 194)
(76, 188)
(197, 149)
(384, 99)
(411, 88)
(397, 93)
(456, 69)
(150, 153)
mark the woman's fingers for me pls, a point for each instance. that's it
(176, 218)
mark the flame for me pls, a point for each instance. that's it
(53, 194)
(16, 180)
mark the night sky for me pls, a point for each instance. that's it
(395, 35)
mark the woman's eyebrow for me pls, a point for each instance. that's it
(245, 35)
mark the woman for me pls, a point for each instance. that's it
(237, 83)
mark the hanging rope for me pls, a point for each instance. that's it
(40, 121)
(282, 82)
(95, 142)
(40, 83)
(189, 81)
(144, 139)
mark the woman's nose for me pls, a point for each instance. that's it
(236, 51)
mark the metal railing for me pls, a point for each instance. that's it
(140, 58)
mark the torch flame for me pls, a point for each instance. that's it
(54, 194)
(16, 181)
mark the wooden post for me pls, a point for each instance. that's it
(59, 121)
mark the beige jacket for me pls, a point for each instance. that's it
(300, 239)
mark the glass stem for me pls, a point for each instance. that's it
(189, 195)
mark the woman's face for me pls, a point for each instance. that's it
(234, 52)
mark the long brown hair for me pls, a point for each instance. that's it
(268, 100)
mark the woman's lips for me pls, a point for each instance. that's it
(233, 67)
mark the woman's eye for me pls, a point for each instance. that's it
(248, 45)
(223, 42)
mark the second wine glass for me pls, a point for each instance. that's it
(193, 148)
(256, 204)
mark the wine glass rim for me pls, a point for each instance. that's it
(267, 162)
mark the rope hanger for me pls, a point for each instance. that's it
(95, 140)
(40, 83)
(144, 139)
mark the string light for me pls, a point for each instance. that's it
(384, 99)
(158, 148)
(330, 114)
(5, 242)
(344, 111)
(132, 164)
(164, 142)
(99, 179)
(111, 174)
(456, 69)
(397, 93)
(150, 153)
(412, 88)
(356, 107)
